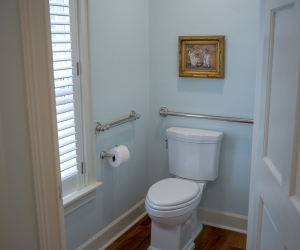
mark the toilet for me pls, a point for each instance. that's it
(172, 203)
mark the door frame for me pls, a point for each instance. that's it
(254, 201)
(37, 54)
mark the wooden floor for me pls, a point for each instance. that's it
(211, 238)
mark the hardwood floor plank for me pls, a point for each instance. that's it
(202, 239)
(234, 248)
(132, 240)
(215, 239)
(239, 241)
(144, 245)
(146, 221)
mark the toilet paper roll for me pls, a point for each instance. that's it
(121, 155)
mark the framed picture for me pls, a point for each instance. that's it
(201, 56)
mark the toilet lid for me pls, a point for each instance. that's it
(172, 192)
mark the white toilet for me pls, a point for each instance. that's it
(172, 203)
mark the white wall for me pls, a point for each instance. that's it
(231, 96)
(18, 224)
(120, 75)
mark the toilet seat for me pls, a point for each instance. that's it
(173, 212)
(173, 194)
(171, 208)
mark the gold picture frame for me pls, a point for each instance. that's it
(201, 56)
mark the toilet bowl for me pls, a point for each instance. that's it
(170, 203)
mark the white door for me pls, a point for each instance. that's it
(274, 212)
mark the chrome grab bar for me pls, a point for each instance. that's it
(164, 112)
(132, 116)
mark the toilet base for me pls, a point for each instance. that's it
(180, 237)
(196, 225)
(196, 230)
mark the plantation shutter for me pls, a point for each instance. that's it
(65, 86)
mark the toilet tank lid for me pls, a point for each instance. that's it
(192, 134)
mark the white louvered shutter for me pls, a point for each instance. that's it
(66, 81)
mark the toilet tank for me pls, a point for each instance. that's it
(194, 153)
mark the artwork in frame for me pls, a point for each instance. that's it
(201, 56)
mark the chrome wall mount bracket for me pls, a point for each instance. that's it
(163, 111)
(103, 155)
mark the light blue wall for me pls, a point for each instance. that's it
(135, 66)
(120, 76)
(231, 96)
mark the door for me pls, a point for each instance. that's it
(274, 212)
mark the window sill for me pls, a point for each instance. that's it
(77, 199)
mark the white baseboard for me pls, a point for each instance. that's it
(225, 220)
(114, 230)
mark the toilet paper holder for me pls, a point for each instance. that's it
(104, 155)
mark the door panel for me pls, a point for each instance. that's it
(270, 238)
(276, 153)
(281, 97)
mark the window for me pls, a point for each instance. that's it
(66, 82)
(69, 83)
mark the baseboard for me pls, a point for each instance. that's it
(225, 220)
(114, 230)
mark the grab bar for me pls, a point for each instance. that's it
(132, 116)
(164, 112)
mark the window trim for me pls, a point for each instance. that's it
(91, 183)
(80, 197)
